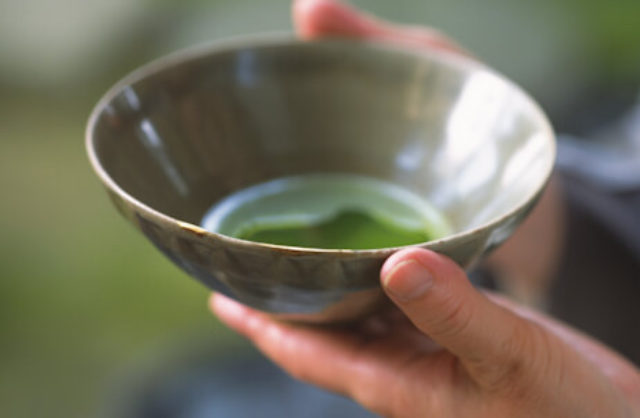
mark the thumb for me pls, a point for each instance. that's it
(435, 294)
(331, 18)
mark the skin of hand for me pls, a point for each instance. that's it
(445, 349)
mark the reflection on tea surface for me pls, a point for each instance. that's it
(328, 211)
(348, 229)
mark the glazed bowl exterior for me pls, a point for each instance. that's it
(179, 134)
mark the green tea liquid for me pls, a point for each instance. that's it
(327, 211)
(348, 229)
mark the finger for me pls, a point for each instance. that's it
(621, 371)
(438, 298)
(340, 361)
(326, 18)
(319, 18)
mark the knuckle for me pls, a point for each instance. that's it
(374, 396)
(504, 370)
(402, 401)
(526, 361)
(455, 319)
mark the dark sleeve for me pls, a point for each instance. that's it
(597, 288)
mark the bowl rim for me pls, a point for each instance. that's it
(283, 39)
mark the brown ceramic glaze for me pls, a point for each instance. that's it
(181, 133)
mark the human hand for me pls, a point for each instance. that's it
(448, 350)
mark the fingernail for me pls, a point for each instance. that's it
(407, 280)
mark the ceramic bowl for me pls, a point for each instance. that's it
(183, 132)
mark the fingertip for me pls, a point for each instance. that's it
(306, 15)
(308, 9)
(319, 18)
(235, 315)
(213, 301)
(409, 273)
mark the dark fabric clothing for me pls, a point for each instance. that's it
(238, 385)
(597, 288)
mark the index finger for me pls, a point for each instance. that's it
(339, 360)
(330, 18)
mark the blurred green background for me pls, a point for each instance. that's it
(87, 306)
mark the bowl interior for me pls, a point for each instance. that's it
(186, 131)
